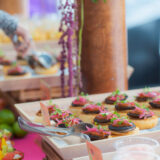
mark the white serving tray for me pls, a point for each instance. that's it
(71, 147)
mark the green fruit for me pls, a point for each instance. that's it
(18, 132)
(6, 127)
(7, 116)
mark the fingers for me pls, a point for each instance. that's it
(25, 44)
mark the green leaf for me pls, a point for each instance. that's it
(99, 126)
(113, 119)
(105, 1)
(146, 90)
(117, 114)
(1, 53)
(120, 122)
(99, 104)
(50, 102)
(116, 92)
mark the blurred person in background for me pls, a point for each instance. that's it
(10, 26)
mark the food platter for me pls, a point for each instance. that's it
(72, 147)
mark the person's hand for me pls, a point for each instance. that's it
(25, 41)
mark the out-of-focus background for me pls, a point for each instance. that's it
(41, 18)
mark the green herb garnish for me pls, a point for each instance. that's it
(146, 90)
(114, 118)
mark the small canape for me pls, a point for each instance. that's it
(47, 71)
(89, 111)
(122, 127)
(115, 96)
(16, 72)
(97, 133)
(155, 106)
(78, 103)
(104, 118)
(122, 107)
(51, 109)
(21, 60)
(68, 122)
(39, 69)
(59, 114)
(143, 118)
(146, 95)
(5, 63)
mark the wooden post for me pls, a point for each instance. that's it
(104, 47)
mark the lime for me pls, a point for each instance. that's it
(18, 132)
(6, 127)
(7, 116)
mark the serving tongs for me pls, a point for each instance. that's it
(75, 130)
(42, 58)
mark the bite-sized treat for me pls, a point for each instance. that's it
(89, 111)
(122, 127)
(104, 118)
(21, 60)
(51, 108)
(155, 103)
(143, 118)
(146, 95)
(122, 107)
(59, 114)
(97, 133)
(155, 106)
(78, 103)
(34, 62)
(16, 72)
(68, 122)
(4, 61)
(115, 96)
(47, 71)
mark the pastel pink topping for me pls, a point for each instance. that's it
(143, 113)
(126, 103)
(121, 121)
(16, 69)
(69, 122)
(107, 115)
(156, 100)
(63, 114)
(80, 100)
(90, 130)
(92, 107)
(116, 97)
(149, 94)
